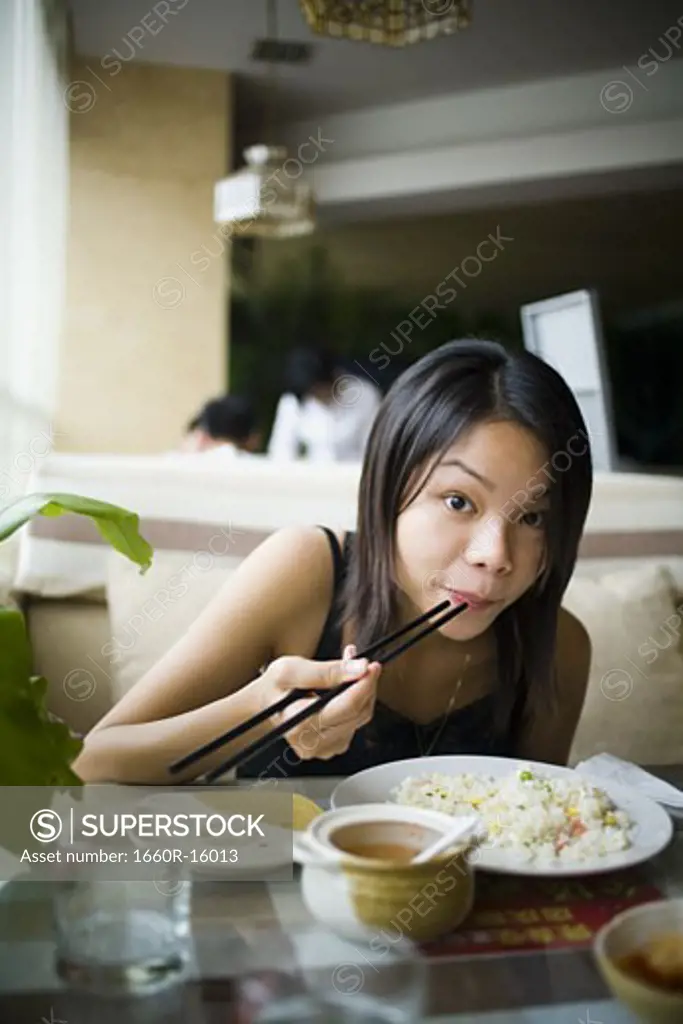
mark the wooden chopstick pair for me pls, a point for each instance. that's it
(324, 698)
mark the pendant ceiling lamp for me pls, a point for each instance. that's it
(387, 22)
(269, 197)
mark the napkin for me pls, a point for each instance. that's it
(625, 773)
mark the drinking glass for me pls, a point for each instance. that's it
(310, 977)
(121, 936)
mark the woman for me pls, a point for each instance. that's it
(325, 413)
(463, 494)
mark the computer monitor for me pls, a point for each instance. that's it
(566, 332)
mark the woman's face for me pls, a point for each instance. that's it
(476, 529)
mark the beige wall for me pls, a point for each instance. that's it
(626, 246)
(146, 306)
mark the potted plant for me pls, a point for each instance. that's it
(36, 748)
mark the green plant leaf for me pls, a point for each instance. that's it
(15, 652)
(36, 749)
(118, 526)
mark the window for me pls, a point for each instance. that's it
(33, 208)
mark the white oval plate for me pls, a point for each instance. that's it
(652, 826)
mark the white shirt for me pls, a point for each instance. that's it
(336, 432)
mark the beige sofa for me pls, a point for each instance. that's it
(96, 624)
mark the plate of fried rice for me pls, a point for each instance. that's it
(537, 819)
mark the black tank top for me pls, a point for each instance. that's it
(390, 736)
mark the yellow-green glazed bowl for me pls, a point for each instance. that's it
(383, 900)
(627, 933)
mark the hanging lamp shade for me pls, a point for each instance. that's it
(388, 22)
(270, 196)
(266, 198)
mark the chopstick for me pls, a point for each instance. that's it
(266, 741)
(291, 698)
(258, 746)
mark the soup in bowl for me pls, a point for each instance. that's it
(358, 877)
(640, 954)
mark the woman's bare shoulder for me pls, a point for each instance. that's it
(307, 546)
(269, 605)
(293, 565)
(295, 559)
(292, 572)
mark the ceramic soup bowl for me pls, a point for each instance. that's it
(357, 878)
(640, 955)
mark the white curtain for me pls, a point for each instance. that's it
(33, 210)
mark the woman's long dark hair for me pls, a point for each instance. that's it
(457, 386)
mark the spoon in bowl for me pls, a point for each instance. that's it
(463, 829)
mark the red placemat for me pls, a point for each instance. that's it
(514, 913)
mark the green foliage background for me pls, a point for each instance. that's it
(37, 749)
(309, 304)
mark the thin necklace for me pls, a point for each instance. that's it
(442, 726)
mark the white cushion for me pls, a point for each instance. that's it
(596, 568)
(149, 613)
(67, 639)
(634, 703)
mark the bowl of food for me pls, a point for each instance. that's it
(359, 878)
(640, 955)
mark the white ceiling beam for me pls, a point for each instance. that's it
(600, 100)
(513, 160)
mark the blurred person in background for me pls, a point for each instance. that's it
(194, 437)
(224, 428)
(325, 413)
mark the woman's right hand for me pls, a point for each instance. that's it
(330, 731)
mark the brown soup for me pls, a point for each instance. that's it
(392, 840)
(658, 963)
(382, 851)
